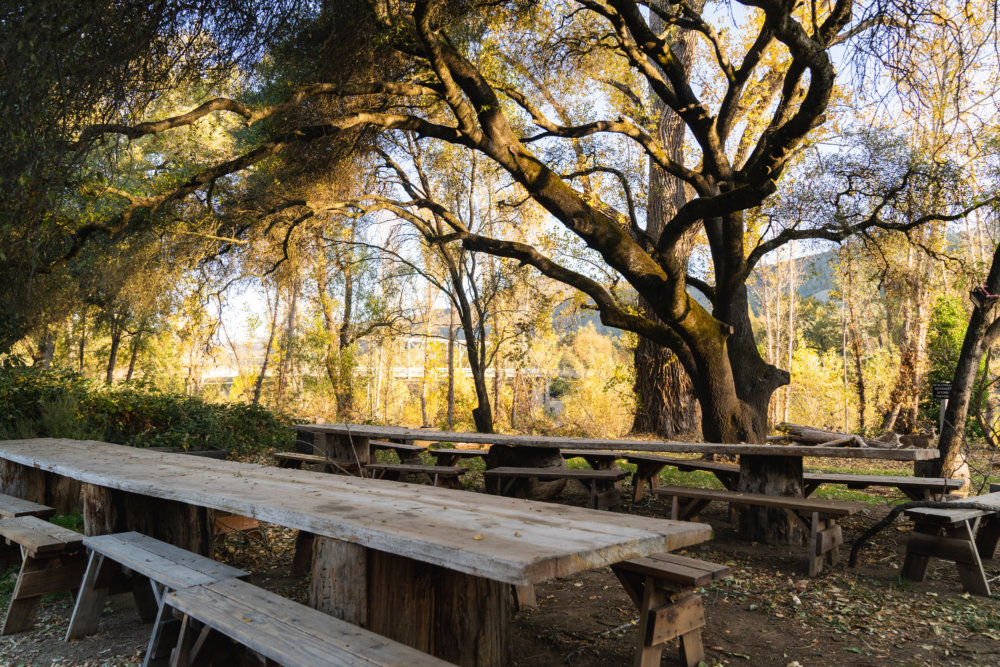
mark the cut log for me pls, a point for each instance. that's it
(773, 476)
(816, 436)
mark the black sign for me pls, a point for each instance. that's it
(941, 389)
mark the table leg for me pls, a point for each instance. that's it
(774, 476)
(458, 617)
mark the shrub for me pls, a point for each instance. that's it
(60, 404)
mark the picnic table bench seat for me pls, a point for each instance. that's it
(964, 536)
(445, 476)
(12, 506)
(664, 589)
(449, 457)
(817, 517)
(406, 452)
(599, 483)
(296, 460)
(153, 568)
(648, 467)
(277, 629)
(598, 459)
(51, 561)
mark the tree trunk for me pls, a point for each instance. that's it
(285, 369)
(983, 331)
(666, 402)
(267, 351)
(451, 368)
(117, 331)
(134, 354)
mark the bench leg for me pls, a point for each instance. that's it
(145, 598)
(825, 538)
(38, 576)
(970, 567)
(90, 601)
(166, 631)
(916, 560)
(645, 473)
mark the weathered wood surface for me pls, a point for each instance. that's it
(40, 487)
(508, 540)
(11, 506)
(679, 571)
(821, 505)
(39, 536)
(359, 431)
(287, 632)
(557, 473)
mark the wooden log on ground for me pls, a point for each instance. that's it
(501, 456)
(107, 510)
(817, 436)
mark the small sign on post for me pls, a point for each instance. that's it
(941, 392)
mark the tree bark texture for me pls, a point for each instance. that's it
(774, 476)
(458, 617)
(107, 510)
(39, 486)
(527, 457)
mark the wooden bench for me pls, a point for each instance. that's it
(648, 467)
(449, 457)
(436, 475)
(816, 517)
(12, 507)
(406, 453)
(51, 561)
(152, 568)
(916, 488)
(277, 629)
(964, 536)
(664, 589)
(599, 483)
(598, 459)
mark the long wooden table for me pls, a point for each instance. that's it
(768, 469)
(427, 566)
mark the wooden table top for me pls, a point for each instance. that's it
(662, 446)
(505, 539)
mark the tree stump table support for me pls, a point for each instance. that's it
(461, 618)
(107, 510)
(772, 476)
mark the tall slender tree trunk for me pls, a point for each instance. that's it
(451, 367)
(258, 388)
(983, 332)
(117, 331)
(136, 339)
(666, 403)
(284, 370)
(82, 347)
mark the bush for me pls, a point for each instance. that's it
(61, 404)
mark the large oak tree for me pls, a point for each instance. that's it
(441, 71)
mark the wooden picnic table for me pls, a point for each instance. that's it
(768, 469)
(429, 567)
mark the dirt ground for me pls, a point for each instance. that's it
(767, 613)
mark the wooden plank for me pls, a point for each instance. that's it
(287, 632)
(50, 580)
(675, 569)
(943, 516)
(459, 453)
(12, 506)
(556, 473)
(675, 619)
(414, 468)
(164, 563)
(384, 432)
(831, 507)
(509, 540)
(593, 453)
(395, 446)
(37, 535)
(932, 483)
(296, 456)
